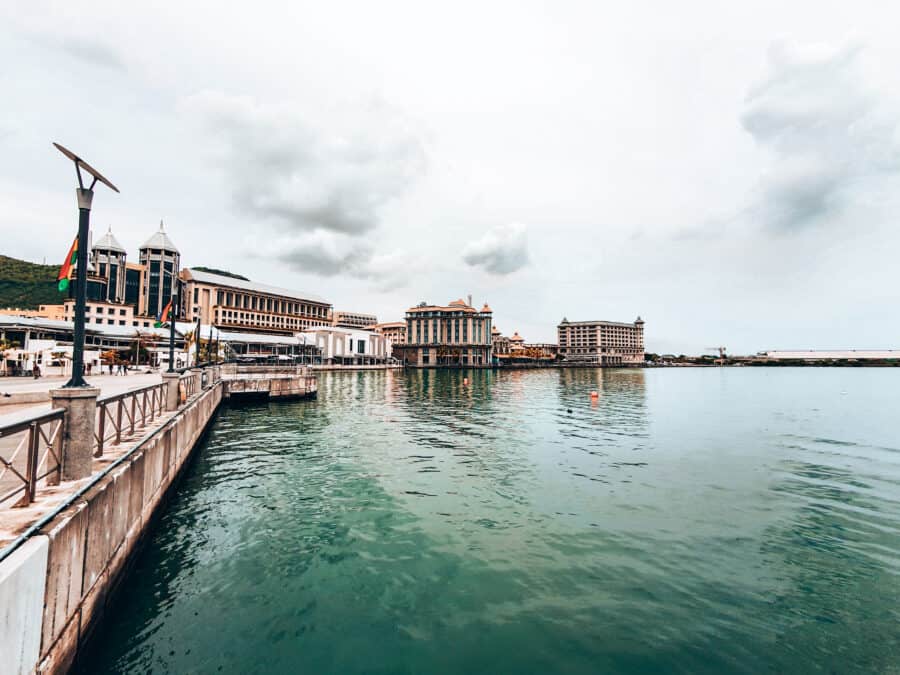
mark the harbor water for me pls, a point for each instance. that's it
(695, 520)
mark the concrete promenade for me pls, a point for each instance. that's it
(54, 586)
(15, 388)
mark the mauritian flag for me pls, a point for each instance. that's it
(65, 272)
(164, 316)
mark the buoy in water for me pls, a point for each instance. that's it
(594, 394)
(466, 381)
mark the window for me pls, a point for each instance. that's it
(121, 312)
(360, 346)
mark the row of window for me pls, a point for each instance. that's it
(450, 331)
(265, 304)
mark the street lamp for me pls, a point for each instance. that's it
(171, 317)
(85, 196)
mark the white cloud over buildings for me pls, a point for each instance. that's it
(501, 250)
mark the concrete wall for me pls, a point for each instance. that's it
(76, 559)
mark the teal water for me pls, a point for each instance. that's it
(721, 520)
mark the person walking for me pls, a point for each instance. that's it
(36, 370)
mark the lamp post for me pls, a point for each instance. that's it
(172, 315)
(197, 359)
(85, 197)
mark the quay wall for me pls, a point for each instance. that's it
(54, 588)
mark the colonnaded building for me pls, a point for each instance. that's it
(446, 336)
(605, 343)
(233, 302)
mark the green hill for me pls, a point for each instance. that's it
(26, 285)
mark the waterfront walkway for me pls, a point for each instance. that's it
(13, 387)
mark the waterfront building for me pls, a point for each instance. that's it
(237, 303)
(161, 260)
(830, 355)
(353, 319)
(108, 257)
(347, 346)
(394, 331)
(499, 342)
(447, 336)
(605, 343)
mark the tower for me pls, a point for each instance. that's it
(109, 264)
(161, 260)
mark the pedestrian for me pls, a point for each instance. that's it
(110, 367)
(36, 370)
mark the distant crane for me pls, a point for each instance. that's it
(722, 355)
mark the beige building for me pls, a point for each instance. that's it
(246, 305)
(353, 319)
(605, 343)
(453, 335)
(107, 314)
(53, 312)
(393, 331)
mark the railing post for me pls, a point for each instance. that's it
(102, 430)
(171, 382)
(80, 404)
(120, 406)
(133, 414)
(32, 467)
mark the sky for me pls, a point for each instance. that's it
(724, 170)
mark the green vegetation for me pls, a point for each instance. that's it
(213, 270)
(26, 285)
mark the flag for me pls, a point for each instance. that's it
(164, 316)
(65, 272)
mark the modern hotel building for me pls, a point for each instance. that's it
(606, 343)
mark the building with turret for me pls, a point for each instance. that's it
(108, 258)
(161, 261)
(447, 336)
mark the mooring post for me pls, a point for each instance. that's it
(80, 404)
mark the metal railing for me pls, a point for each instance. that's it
(120, 416)
(30, 451)
(189, 382)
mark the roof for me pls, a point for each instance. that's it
(516, 337)
(108, 243)
(231, 282)
(599, 323)
(487, 308)
(97, 329)
(160, 240)
(251, 338)
(454, 306)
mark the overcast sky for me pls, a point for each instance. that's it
(726, 170)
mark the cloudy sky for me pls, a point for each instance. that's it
(726, 170)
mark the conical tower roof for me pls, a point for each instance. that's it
(108, 243)
(160, 240)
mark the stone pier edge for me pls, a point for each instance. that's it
(58, 579)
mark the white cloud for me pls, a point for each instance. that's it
(305, 176)
(502, 250)
(827, 133)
